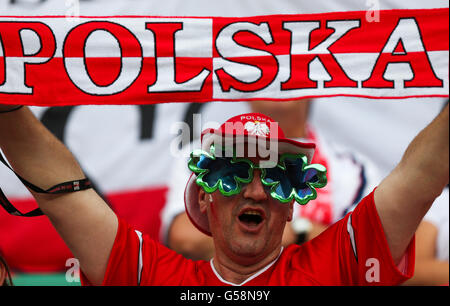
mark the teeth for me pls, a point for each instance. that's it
(252, 212)
(251, 217)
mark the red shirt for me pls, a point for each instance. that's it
(353, 251)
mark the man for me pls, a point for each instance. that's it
(349, 178)
(379, 232)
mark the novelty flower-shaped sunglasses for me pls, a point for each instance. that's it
(291, 179)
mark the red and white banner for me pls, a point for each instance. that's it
(60, 60)
(49, 56)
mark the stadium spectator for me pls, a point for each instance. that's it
(350, 177)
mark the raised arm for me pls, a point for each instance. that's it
(405, 195)
(84, 221)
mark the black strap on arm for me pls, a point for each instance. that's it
(66, 187)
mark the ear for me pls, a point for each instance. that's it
(204, 199)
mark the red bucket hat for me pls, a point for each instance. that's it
(251, 128)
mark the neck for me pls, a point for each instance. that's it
(238, 271)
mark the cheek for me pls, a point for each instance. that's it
(282, 214)
(221, 208)
(218, 214)
(213, 211)
(219, 221)
(221, 215)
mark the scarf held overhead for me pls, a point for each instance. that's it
(57, 60)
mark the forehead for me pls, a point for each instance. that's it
(261, 154)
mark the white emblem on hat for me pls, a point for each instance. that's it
(257, 128)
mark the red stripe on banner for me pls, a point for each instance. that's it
(2, 68)
(104, 71)
(299, 77)
(268, 68)
(422, 72)
(420, 68)
(368, 37)
(33, 245)
(337, 95)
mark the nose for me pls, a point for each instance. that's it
(255, 189)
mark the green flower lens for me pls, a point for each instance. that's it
(225, 170)
(291, 179)
(222, 173)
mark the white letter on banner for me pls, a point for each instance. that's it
(408, 34)
(28, 43)
(165, 52)
(404, 61)
(227, 47)
(104, 46)
(301, 31)
(331, 72)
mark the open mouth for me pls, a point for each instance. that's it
(251, 218)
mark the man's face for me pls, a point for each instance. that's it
(248, 226)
